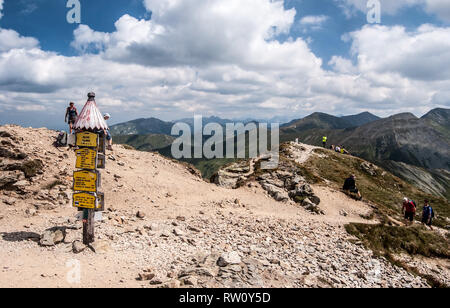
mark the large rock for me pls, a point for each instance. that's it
(100, 247)
(30, 168)
(52, 237)
(78, 247)
(277, 193)
(369, 168)
(229, 258)
(8, 178)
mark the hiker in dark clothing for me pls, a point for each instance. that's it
(409, 210)
(71, 116)
(427, 215)
(350, 186)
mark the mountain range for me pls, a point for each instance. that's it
(416, 149)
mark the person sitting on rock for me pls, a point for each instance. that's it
(350, 186)
(107, 116)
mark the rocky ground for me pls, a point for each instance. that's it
(165, 227)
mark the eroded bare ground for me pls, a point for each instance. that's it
(166, 227)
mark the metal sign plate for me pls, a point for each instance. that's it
(85, 201)
(85, 181)
(87, 139)
(86, 159)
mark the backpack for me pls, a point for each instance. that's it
(411, 207)
(61, 140)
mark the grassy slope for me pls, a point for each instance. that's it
(384, 189)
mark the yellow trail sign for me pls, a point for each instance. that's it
(85, 201)
(87, 139)
(85, 181)
(86, 159)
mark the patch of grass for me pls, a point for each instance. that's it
(385, 241)
(415, 240)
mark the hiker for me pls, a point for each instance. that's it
(325, 140)
(350, 186)
(427, 215)
(409, 210)
(71, 116)
(107, 116)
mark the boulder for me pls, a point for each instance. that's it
(314, 199)
(8, 178)
(229, 258)
(100, 247)
(52, 237)
(369, 168)
(30, 168)
(78, 247)
(179, 232)
(277, 193)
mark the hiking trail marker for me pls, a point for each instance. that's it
(90, 156)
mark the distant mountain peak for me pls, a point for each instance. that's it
(361, 118)
(404, 116)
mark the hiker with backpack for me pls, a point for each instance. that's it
(71, 116)
(409, 210)
(427, 215)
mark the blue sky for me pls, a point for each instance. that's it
(148, 58)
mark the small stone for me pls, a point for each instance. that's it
(189, 281)
(146, 276)
(229, 258)
(178, 232)
(343, 213)
(140, 215)
(78, 247)
(100, 247)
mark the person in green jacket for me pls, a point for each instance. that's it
(325, 140)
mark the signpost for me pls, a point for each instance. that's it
(90, 156)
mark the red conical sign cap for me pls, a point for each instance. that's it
(90, 117)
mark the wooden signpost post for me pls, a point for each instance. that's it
(87, 181)
(90, 156)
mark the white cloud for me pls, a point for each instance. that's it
(342, 65)
(204, 33)
(1, 9)
(313, 20)
(10, 39)
(423, 54)
(440, 8)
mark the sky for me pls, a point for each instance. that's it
(173, 59)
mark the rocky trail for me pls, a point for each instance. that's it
(164, 226)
